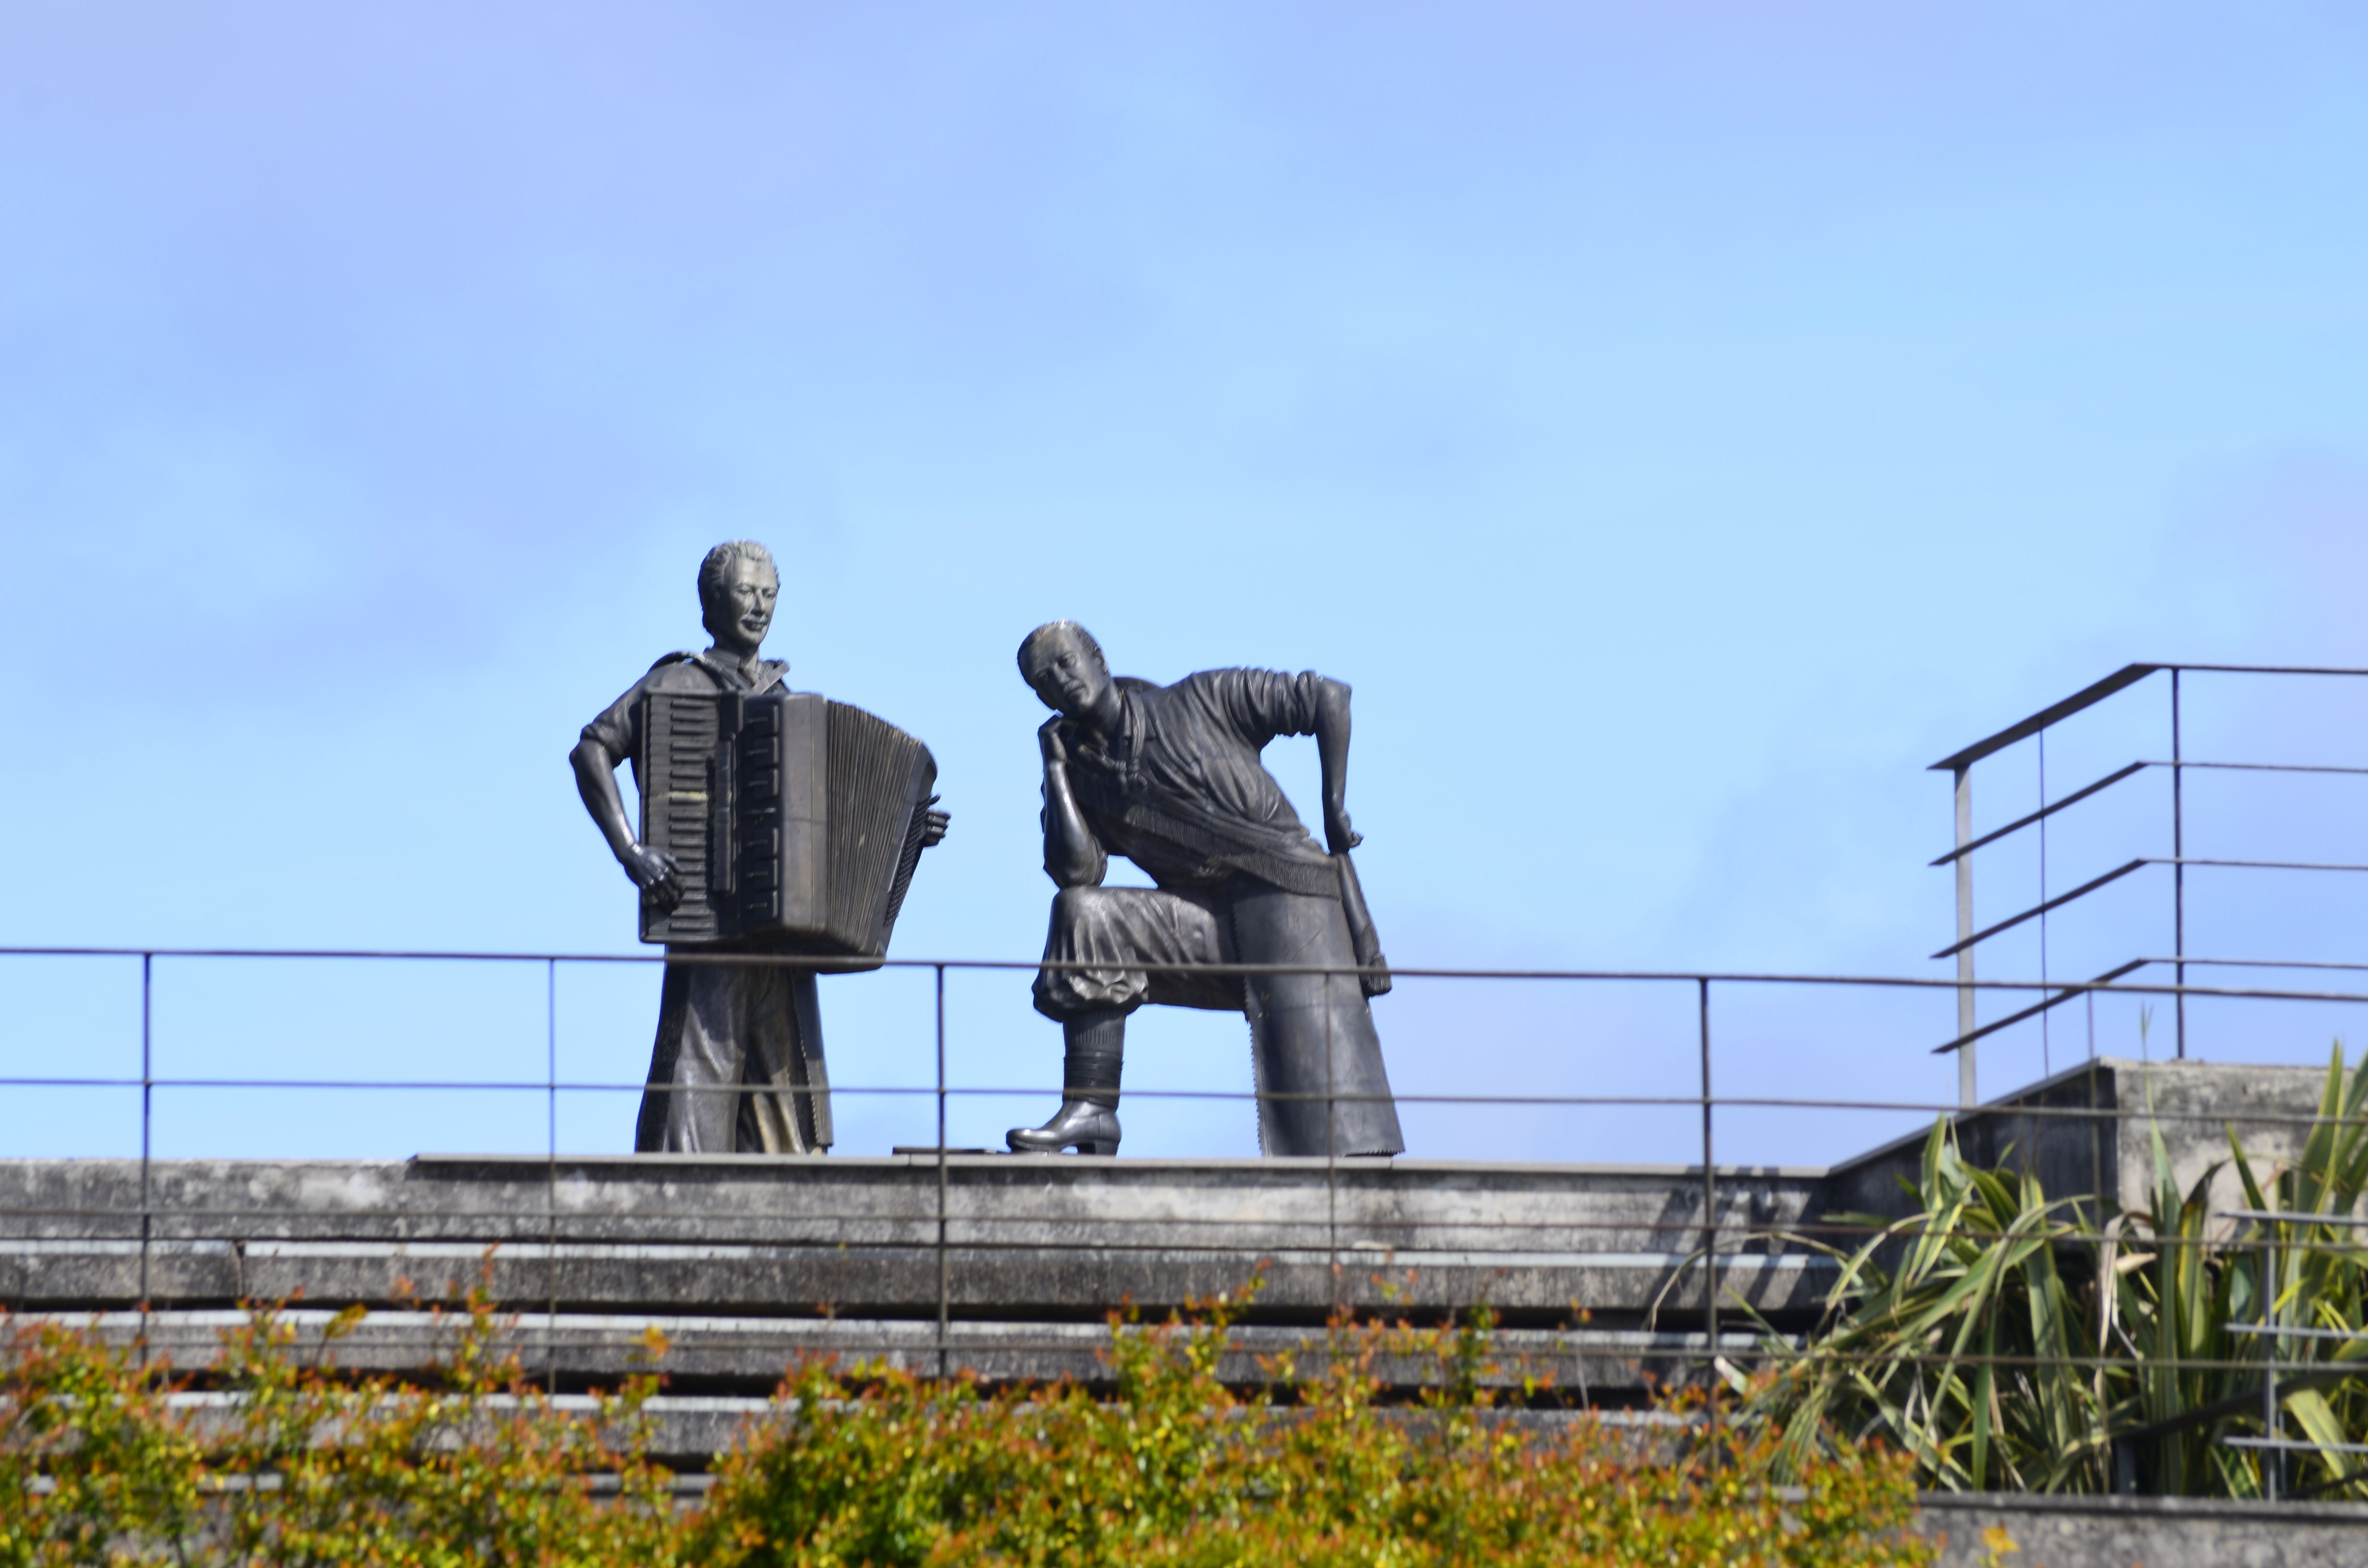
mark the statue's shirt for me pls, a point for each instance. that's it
(618, 727)
(1180, 789)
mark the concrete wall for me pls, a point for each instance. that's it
(746, 1261)
(2090, 1129)
(2144, 1532)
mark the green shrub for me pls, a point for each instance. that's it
(873, 1466)
(878, 1467)
(308, 1467)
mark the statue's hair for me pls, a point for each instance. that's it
(1028, 645)
(718, 566)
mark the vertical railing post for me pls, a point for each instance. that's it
(147, 1125)
(945, 1275)
(551, 1182)
(2177, 866)
(2273, 1428)
(1710, 1208)
(1331, 1159)
(2046, 1033)
(1968, 1093)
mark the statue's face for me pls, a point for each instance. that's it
(1068, 675)
(741, 611)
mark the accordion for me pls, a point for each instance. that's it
(794, 821)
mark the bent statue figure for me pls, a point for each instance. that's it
(1169, 776)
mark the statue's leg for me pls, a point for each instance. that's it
(1094, 1050)
(1323, 1089)
(814, 1106)
(1109, 934)
(707, 1010)
(649, 1127)
(786, 1095)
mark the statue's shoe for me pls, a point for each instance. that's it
(1088, 1128)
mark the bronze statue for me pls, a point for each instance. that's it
(1169, 776)
(738, 1061)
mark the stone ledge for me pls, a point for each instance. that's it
(2144, 1532)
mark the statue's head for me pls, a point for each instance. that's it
(738, 586)
(1064, 665)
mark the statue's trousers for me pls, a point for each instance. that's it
(1316, 1056)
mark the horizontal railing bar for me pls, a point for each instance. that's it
(2038, 1007)
(334, 1226)
(2259, 766)
(1686, 1347)
(540, 1233)
(767, 1230)
(2074, 799)
(539, 1242)
(1748, 1102)
(2261, 865)
(2259, 963)
(2058, 902)
(2268, 669)
(534, 1248)
(1424, 1235)
(1688, 977)
(2118, 775)
(1729, 1344)
(2273, 1331)
(2088, 696)
(2296, 1445)
(1738, 977)
(1346, 1096)
(2295, 1217)
(1746, 1230)
(1816, 1277)
(2096, 692)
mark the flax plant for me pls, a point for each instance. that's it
(2009, 1342)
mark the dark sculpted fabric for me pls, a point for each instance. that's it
(1182, 793)
(738, 1064)
(1117, 930)
(1180, 790)
(750, 1035)
(1315, 1055)
(618, 727)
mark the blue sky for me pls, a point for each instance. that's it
(1681, 426)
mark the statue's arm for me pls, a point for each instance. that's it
(1074, 857)
(1332, 752)
(596, 781)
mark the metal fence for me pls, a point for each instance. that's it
(1709, 1234)
(2035, 728)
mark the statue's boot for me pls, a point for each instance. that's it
(1088, 1120)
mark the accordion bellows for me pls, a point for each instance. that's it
(795, 822)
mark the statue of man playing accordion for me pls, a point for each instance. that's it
(1169, 776)
(738, 1062)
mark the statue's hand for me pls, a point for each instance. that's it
(654, 872)
(1339, 836)
(1049, 742)
(933, 825)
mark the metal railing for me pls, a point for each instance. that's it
(1959, 765)
(2275, 1333)
(1706, 1249)
(1711, 1239)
